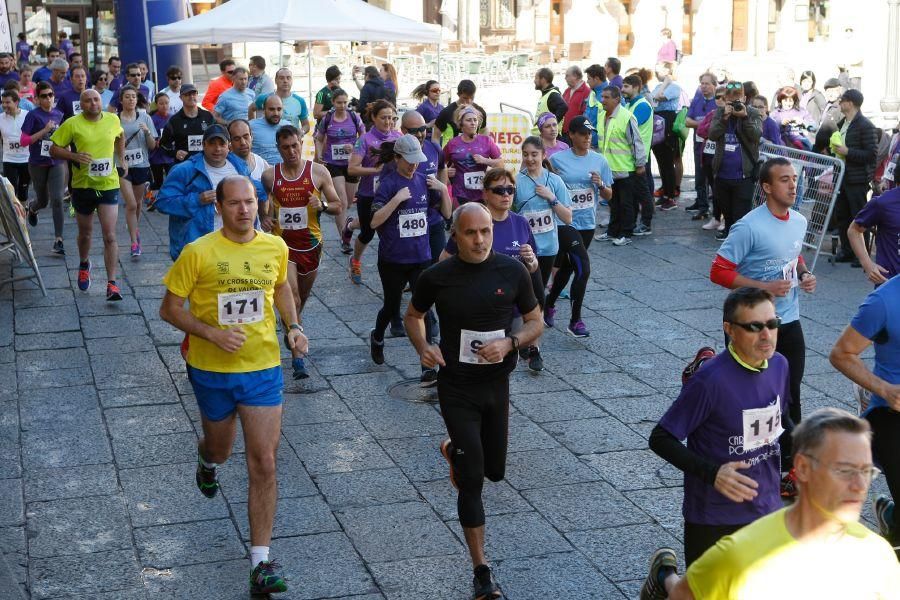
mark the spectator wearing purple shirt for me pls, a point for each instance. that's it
(704, 102)
(23, 50)
(771, 132)
(116, 77)
(613, 67)
(732, 412)
(65, 44)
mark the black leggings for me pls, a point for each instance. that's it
(18, 176)
(159, 174)
(477, 419)
(665, 153)
(545, 268)
(572, 258)
(394, 277)
(886, 448)
(364, 212)
(700, 538)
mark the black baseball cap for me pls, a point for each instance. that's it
(581, 124)
(216, 131)
(187, 88)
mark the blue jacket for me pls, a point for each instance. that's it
(593, 107)
(180, 199)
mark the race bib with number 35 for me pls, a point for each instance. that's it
(762, 426)
(293, 218)
(540, 221)
(240, 308)
(413, 224)
(45, 148)
(340, 152)
(470, 342)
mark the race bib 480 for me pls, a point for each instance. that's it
(413, 224)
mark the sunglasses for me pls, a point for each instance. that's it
(734, 86)
(47, 95)
(416, 130)
(134, 75)
(719, 96)
(175, 77)
(757, 326)
(231, 72)
(503, 190)
(434, 91)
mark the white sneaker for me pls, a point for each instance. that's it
(712, 224)
(721, 226)
(622, 241)
(602, 237)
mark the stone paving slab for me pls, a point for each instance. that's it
(98, 431)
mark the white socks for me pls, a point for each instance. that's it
(258, 554)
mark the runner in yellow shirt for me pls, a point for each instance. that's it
(234, 278)
(814, 549)
(97, 138)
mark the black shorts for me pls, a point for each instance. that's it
(85, 200)
(139, 175)
(341, 171)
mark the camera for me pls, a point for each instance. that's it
(737, 105)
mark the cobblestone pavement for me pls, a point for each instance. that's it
(98, 426)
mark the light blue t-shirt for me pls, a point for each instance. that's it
(672, 94)
(877, 320)
(264, 139)
(541, 218)
(583, 194)
(233, 104)
(766, 248)
(294, 108)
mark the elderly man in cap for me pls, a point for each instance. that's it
(188, 195)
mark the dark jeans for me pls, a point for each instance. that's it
(477, 419)
(643, 196)
(572, 259)
(886, 448)
(665, 153)
(792, 345)
(735, 198)
(621, 207)
(700, 181)
(18, 176)
(700, 538)
(850, 201)
(710, 181)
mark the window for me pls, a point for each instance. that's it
(498, 14)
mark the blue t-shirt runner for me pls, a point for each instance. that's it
(878, 320)
(537, 211)
(576, 174)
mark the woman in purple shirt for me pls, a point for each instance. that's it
(469, 155)
(364, 164)
(429, 95)
(47, 174)
(400, 215)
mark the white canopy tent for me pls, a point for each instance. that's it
(238, 21)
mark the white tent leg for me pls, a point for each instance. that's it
(309, 72)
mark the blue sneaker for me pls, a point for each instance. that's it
(578, 329)
(84, 276)
(549, 314)
(299, 369)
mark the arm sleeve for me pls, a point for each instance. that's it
(642, 112)
(867, 151)
(260, 101)
(717, 126)
(282, 268)
(723, 272)
(304, 110)
(668, 448)
(558, 106)
(638, 151)
(150, 124)
(868, 214)
(182, 277)
(871, 318)
(425, 293)
(494, 150)
(737, 245)
(167, 140)
(175, 199)
(441, 121)
(62, 136)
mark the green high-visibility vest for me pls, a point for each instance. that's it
(542, 108)
(645, 128)
(613, 141)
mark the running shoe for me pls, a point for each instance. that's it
(32, 218)
(135, 250)
(299, 368)
(113, 293)
(84, 276)
(883, 508)
(578, 329)
(58, 248)
(345, 248)
(207, 478)
(397, 330)
(677, 192)
(355, 271)
(565, 294)
(447, 452)
(622, 241)
(657, 193)
(721, 226)
(602, 237)
(712, 225)
(428, 378)
(692, 208)
(535, 361)
(549, 315)
(703, 354)
(523, 352)
(346, 232)
(376, 349)
(643, 230)
(668, 204)
(789, 485)
(484, 585)
(264, 579)
(663, 562)
(722, 235)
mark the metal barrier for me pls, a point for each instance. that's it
(819, 180)
(12, 225)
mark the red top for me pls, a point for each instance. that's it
(577, 101)
(296, 222)
(215, 89)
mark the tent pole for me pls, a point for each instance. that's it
(309, 72)
(440, 43)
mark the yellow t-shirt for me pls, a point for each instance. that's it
(228, 285)
(97, 138)
(763, 561)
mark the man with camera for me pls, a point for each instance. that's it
(736, 129)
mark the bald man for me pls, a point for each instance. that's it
(264, 129)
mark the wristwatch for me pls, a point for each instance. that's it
(553, 203)
(296, 326)
(515, 342)
(324, 204)
(800, 276)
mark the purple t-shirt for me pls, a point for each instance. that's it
(721, 404)
(699, 108)
(732, 166)
(23, 51)
(469, 174)
(403, 237)
(509, 235)
(616, 81)
(4, 77)
(60, 88)
(340, 137)
(429, 111)
(69, 103)
(884, 211)
(771, 132)
(66, 47)
(372, 140)
(34, 121)
(160, 156)
(559, 146)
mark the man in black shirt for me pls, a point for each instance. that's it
(476, 355)
(465, 95)
(183, 134)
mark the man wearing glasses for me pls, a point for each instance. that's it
(132, 76)
(219, 84)
(763, 251)
(814, 549)
(173, 90)
(732, 412)
(875, 323)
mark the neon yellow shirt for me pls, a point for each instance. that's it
(232, 285)
(763, 561)
(97, 138)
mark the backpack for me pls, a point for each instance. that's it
(326, 121)
(659, 130)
